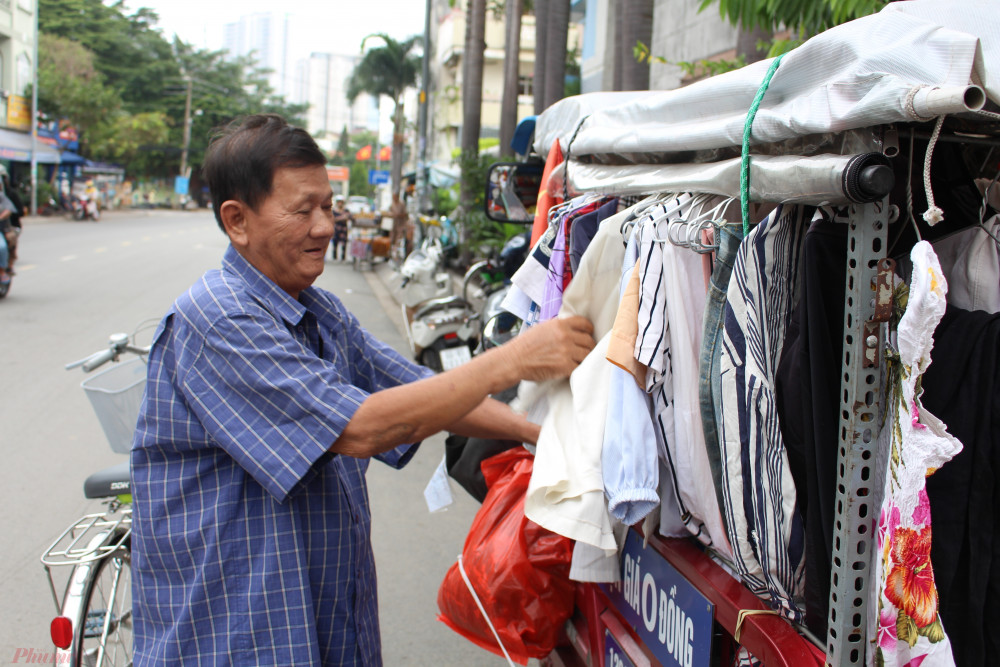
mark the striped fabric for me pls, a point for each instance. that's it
(251, 542)
(671, 309)
(764, 527)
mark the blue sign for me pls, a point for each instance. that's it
(671, 617)
(614, 656)
(378, 177)
(181, 185)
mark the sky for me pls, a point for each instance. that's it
(330, 26)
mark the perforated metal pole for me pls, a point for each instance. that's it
(861, 394)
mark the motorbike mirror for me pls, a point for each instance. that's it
(499, 329)
(512, 191)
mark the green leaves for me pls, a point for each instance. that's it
(115, 78)
(810, 16)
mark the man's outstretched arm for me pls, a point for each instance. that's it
(412, 412)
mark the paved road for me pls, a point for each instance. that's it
(78, 282)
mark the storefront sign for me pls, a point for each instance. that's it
(614, 656)
(671, 617)
(18, 112)
(338, 174)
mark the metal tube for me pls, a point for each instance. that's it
(933, 102)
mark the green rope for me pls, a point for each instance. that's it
(747, 126)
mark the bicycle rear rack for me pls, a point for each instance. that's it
(77, 544)
(87, 540)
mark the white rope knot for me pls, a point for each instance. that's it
(933, 215)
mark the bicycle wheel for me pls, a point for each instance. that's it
(104, 624)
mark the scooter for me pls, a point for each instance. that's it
(498, 325)
(85, 207)
(442, 328)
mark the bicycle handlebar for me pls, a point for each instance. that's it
(117, 344)
(98, 359)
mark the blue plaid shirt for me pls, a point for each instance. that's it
(251, 542)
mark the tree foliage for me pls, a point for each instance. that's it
(69, 84)
(807, 16)
(113, 76)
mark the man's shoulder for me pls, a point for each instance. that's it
(217, 294)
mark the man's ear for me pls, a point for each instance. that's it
(234, 219)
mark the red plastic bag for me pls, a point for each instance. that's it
(519, 570)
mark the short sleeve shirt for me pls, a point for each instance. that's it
(251, 541)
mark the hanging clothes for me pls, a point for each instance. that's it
(909, 628)
(710, 386)
(962, 388)
(566, 492)
(671, 310)
(970, 260)
(807, 393)
(763, 524)
(630, 459)
(547, 197)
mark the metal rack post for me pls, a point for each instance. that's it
(861, 394)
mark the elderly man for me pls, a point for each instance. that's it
(265, 401)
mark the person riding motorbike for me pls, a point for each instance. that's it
(10, 225)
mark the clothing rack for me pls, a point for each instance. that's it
(868, 305)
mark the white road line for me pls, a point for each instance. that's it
(67, 258)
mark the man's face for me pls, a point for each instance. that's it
(287, 236)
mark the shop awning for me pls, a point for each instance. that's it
(16, 147)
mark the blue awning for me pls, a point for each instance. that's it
(69, 157)
(16, 147)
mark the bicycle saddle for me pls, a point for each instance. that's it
(113, 481)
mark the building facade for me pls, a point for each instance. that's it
(17, 46)
(264, 36)
(321, 81)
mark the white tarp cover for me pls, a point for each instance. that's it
(858, 74)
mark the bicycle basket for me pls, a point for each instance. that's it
(116, 394)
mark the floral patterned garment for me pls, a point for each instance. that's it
(909, 631)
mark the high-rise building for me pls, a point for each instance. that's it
(265, 37)
(322, 84)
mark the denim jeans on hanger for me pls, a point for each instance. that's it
(709, 389)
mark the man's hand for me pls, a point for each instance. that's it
(551, 349)
(403, 414)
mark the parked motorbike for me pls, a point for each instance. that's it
(487, 283)
(442, 328)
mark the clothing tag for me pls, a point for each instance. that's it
(438, 492)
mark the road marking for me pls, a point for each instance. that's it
(147, 238)
(67, 258)
(126, 243)
(101, 249)
(26, 267)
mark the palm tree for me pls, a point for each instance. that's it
(541, 51)
(511, 71)
(472, 93)
(388, 70)
(636, 26)
(556, 37)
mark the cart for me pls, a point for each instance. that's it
(359, 245)
(826, 156)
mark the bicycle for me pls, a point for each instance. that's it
(93, 625)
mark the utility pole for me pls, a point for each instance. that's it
(34, 120)
(185, 170)
(423, 186)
